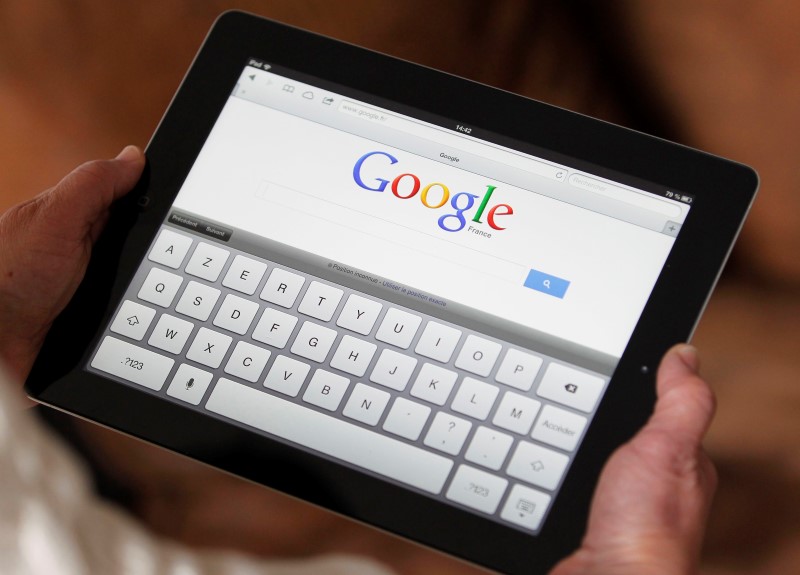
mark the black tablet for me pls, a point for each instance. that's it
(421, 302)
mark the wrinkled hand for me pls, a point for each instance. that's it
(651, 505)
(45, 245)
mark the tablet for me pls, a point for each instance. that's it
(424, 303)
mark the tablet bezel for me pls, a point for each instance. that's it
(723, 192)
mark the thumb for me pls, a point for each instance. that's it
(686, 403)
(652, 501)
(81, 200)
(44, 250)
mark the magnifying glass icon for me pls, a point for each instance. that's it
(544, 283)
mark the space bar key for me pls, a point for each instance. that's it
(340, 439)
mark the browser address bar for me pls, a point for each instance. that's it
(457, 143)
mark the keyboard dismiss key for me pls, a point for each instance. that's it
(132, 363)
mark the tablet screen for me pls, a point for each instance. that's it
(402, 293)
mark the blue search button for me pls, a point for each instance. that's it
(546, 283)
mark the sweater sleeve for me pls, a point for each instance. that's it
(52, 522)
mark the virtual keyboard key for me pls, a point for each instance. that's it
(559, 428)
(247, 361)
(207, 261)
(282, 287)
(475, 398)
(359, 314)
(489, 448)
(398, 328)
(132, 363)
(326, 390)
(518, 369)
(434, 384)
(525, 507)
(478, 355)
(209, 347)
(393, 369)
(320, 301)
(170, 333)
(407, 418)
(477, 489)
(571, 387)
(244, 275)
(337, 438)
(236, 314)
(197, 301)
(160, 287)
(516, 413)
(438, 341)
(170, 249)
(287, 375)
(274, 328)
(313, 341)
(353, 355)
(366, 404)
(447, 433)
(189, 384)
(132, 320)
(537, 465)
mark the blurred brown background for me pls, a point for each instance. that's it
(79, 79)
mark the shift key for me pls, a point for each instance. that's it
(132, 363)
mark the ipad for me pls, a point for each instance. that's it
(423, 303)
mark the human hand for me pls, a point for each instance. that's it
(45, 244)
(651, 505)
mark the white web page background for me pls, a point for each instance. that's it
(291, 180)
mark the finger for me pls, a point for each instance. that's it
(686, 403)
(78, 201)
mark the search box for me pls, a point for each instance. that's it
(455, 142)
(640, 200)
(344, 221)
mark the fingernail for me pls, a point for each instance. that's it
(689, 355)
(129, 154)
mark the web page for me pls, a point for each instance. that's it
(450, 233)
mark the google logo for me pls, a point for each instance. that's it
(434, 196)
